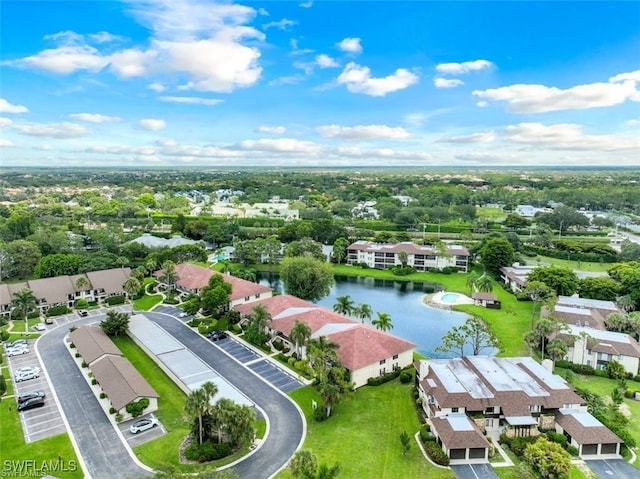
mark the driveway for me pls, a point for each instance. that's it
(613, 469)
(474, 471)
(103, 453)
(286, 425)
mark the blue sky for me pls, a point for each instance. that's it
(319, 83)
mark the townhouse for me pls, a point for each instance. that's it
(422, 258)
(469, 399)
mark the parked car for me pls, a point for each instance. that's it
(17, 342)
(26, 396)
(83, 313)
(31, 403)
(48, 320)
(183, 315)
(24, 374)
(217, 335)
(143, 425)
(17, 350)
(40, 327)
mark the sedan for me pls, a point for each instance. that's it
(143, 425)
(19, 377)
(40, 327)
(16, 343)
(31, 395)
(217, 335)
(31, 403)
(16, 351)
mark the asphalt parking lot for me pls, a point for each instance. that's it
(91, 313)
(613, 468)
(474, 471)
(142, 437)
(42, 422)
(173, 311)
(238, 350)
(275, 375)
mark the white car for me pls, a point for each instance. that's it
(143, 425)
(16, 343)
(40, 327)
(17, 350)
(183, 315)
(24, 374)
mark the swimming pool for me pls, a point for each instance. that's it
(449, 298)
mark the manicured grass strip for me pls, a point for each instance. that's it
(580, 265)
(363, 433)
(146, 302)
(14, 448)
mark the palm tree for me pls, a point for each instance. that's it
(403, 257)
(383, 322)
(261, 316)
(322, 355)
(344, 305)
(616, 321)
(585, 341)
(484, 284)
(131, 286)
(23, 302)
(122, 261)
(151, 264)
(556, 348)
(198, 403)
(363, 311)
(82, 283)
(471, 281)
(627, 303)
(169, 274)
(300, 334)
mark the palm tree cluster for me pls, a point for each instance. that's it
(346, 306)
(332, 377)
(221, 422)
(24, 301)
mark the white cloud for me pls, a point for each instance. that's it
(52, 130)
(361, 132)
(191, 100)
(325, 61)
(132, 62)
(63, 60)
(280, 145)
(105, 37)
(358, 80)
(65, 37)
(525, 98)
(95, 118)
(122, 150)
(307, 4)
(6, 107)
(272, 130)
(447, 83)
(287, 80)
(566, 136)
(283, 24)
(157, 87)
(464, 67)
(151, 124)
(486, 157)
(6, 143)
(387, 154)
(632, 122)
(4, 122)
(486, 137)
(263, 12)
(350, 45)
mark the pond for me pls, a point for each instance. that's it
(402, 300)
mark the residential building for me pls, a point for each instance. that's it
(154, 242)
(488, 300)
(595, 348)
(591, 313)
(422, 258)
(588, 435)
(515, 396)
(64, 290)
(515, 277)
(192, 278)
(363, 350)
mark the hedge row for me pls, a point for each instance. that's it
(436, 454)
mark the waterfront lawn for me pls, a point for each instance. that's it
(363, 433)
(146, 302)
(14, 447)
(578, 265)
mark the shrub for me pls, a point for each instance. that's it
(630, 393)
(4, 335)
(564, 364)
(72, 346)
(208, 451)
(557, 437)
(112, 410)
(135, 408)
(320, 414)
(436, 454)
(3, 385)
(113, 300)
(385, 378)
(405, 377)
(84, 364)
(236, 329)
(573, 450)
(33, 314)
(57, 311)
(77, 355)
(103, 395)
(403, 271)
(517, 444)
(94, 381)
(601, 374)
(82, 304)
(119, 417)
(194, 323)
(425, 433)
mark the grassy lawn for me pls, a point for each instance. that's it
(14, 448)
(580, 265)
(146, 302)
(363, 434)
(491, 213)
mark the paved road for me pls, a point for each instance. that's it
(104, 454)
(285, 422)
(474, 471)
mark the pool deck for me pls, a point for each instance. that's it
(436, 299)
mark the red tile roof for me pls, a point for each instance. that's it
(241, 288)
(276, 304)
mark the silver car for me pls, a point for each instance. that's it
(24, 374)
(17, 350)
(143, 425)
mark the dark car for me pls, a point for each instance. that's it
(31, 403)
(217, 335)
(31, 395)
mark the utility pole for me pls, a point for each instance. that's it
(560, 230)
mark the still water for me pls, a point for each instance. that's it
(412, 319)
